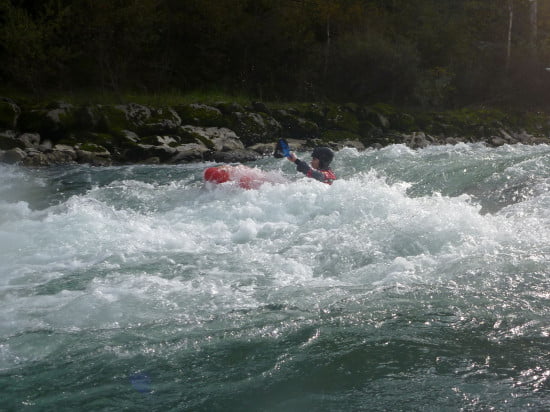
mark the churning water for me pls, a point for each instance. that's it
(420, 280)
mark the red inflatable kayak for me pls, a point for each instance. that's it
(245, 177)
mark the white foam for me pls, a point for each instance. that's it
(128, 251)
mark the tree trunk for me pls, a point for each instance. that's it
(533, 21)
(327, 48)
(509, 42)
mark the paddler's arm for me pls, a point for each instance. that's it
(304, 168)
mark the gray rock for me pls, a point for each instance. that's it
(55, 122)
(8, 133)
(417, 140)
(201, 115)
(62, 151)
(235, 156)
(9, 141)
(160, 121)
(354, 144)
(45, 146)
(130, 136)
(224, 140)
(255, 127)
(219, 139)
(496, 141)
(100, 158)
(171, 141)
(260, 107)
(61, 156)
(137, 114)
(35, 158)
(87, 117)
(294, 126)
(263, 149)
(142, 152)
(228, 108)
(524, 137)
(189, 152)
(30, 139)
(506, 136)
(13, 156)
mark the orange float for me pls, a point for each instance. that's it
(245, 177)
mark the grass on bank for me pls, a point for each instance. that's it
(156, 99)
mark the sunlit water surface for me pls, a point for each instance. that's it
(420, 280)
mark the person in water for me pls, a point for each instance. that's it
(319, 168)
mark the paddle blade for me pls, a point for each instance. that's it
(282, 149)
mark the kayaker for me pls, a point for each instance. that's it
(319, 168)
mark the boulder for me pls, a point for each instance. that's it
(259, 107)
(190, 152)
(294, 126)
(8, 141)
(355, 144)
(55, 122)
(235, 156)
(340, 118)
(129, 136)
(496, 141)
(255, 127)
(160, 121)
(312, 112)
(171, 141)
(62, 152)
(13, 156)
(114, 119)
(35, 158)
(94, 155)
(87, 117)
(418, 140)
(137, 114)
(58, 155)
(451, 140)
(224, 140)
(525, 138)
(141, 152)
(263, 149)
(45, 146)
(338, 136)
(201, 115)
(30, 139)
(227, 108)
(218, 139)
(137, 153)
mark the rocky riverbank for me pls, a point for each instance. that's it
(63, 133)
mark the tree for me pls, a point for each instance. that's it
(29, 41)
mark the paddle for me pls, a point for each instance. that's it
(282, 149)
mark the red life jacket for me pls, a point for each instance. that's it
(328, 174)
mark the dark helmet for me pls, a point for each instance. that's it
(325, 156)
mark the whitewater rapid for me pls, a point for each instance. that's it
(418, 250)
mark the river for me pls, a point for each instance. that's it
(419, 280)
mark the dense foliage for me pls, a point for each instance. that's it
(422, 52)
